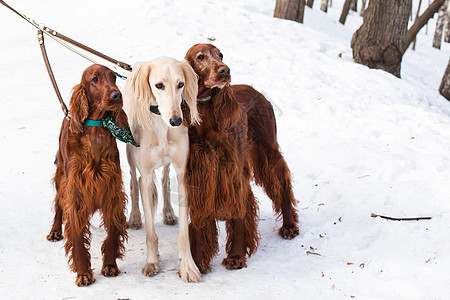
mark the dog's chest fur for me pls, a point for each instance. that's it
(161, 144)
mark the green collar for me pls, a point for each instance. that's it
(94, 123)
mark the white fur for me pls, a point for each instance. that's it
(160, 145)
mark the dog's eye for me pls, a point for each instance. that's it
(201, 57)
(95, 79)
(159, 86)
(180, 85)
(221, 56)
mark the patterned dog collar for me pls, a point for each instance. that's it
(122, 134)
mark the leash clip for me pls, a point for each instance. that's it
(120, 76)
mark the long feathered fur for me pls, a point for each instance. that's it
(141, 95)
(219, 187)
(88, 178)
(235, 143)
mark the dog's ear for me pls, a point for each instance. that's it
(227, 110)
(190, 91)
(139, 81)
(121, 118)
(79, 109)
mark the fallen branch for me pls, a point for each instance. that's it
(400, 219)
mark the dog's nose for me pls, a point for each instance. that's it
(116, 95)
(175, 121)
(224, 71)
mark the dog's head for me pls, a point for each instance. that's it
(161, 85)
(206, 60)
(95, 96)
(214, 80)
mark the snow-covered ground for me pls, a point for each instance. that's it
(358, 141)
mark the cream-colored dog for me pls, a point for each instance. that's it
(153, 97)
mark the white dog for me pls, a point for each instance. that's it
(153, 97)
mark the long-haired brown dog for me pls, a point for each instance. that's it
(235, 142)
(88, 175)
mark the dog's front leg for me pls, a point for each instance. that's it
(135, 215)
(77, 244)
(243, 237)
(149, 201)
(188, 269)
(116, 226)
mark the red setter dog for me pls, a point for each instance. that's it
(88, 175)
(235, 142)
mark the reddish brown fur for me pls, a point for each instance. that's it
(235, 142)
(88, 176)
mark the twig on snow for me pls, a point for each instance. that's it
(400, 219)
(313, 253)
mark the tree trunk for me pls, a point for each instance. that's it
(324, 5)
(440, 25)
(421, 21)
(417, 15)
(380, 41)
(345, 10)
(301, 12)
(290, 10)
(354, 5)
(363, 8)
(444, 89)
(310, 3)
(447, 25)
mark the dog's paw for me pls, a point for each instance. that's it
(110, 270)
(189, 271)
(54, 236)
(150, 269)
(235, 262)
(84, 279)
(288, 231)
(135, 221)
(170, 218)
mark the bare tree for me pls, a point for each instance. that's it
(345, 10)
(310, 3)
(324, 5)
(421, 21)
(442, 19)
(354, 5)
(380, 41)
(290, 10)
(417, 15)
(301, 12)
(444, 89)
(447, 26)
(363, 7)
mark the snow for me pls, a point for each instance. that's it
(358, 141)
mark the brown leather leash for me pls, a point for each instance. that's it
(60, 38)
(50, 73)
(79, 45)
(120, 64)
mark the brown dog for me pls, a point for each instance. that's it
(88, 175)
(235, 142)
